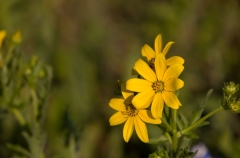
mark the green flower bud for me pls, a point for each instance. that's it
(230, 88)
(235, 107)
(159, 154)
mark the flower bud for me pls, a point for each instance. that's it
(235, 107)
(230, 88)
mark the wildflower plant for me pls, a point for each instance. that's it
(24, 89)
(152, 97)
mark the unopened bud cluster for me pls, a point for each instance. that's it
(230, 102)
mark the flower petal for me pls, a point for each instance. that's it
(117, 119)
(173, 84)
(143, 100)
(157, 105)
(138, 85)
(173, 72)
(145, 71)
(3, 34)
(158, 44)
(146, 116)
(148, 52)
(171, 99)
(126, 93)
(128, 129)
(141, 129)
(160, 66)
(117, 104)
(175, 60)
(167, 47)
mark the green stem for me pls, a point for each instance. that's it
(168, 137)
(35, 103)
(200, 121)
(9, 54)
(169, 128)
(174, 127)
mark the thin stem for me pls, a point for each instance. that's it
(174, 127)
(168, 137)
(201, 120)
(35, 103)
(169, 128)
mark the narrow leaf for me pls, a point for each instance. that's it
(156, 140)
(182, 121)
(197, 114)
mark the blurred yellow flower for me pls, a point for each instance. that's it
(134, 117)
(3, 34)
(17, 38)
(150, 54)
(156, 87)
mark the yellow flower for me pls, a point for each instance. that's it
(134, 117)
(156, 87)
(150, 54)
(3, 34)
(16, 37)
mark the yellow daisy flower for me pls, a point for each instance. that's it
(133, 116)
(156, 87)
(3, 34)
(150, 54)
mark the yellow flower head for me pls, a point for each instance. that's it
(156, 87)
(3, 34)
(132, 116)
(150, 54)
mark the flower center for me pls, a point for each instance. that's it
(130, 110)
(158, 86)
(151, 64)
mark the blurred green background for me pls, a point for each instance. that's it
(91, 44)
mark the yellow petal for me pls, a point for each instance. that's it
(141, 129)
(173, 72)
(171, 99)
(3, 34)
(173, 84)
(138, 85)
(145, 71)
(117, 104)
(128, 129)
(167, 47)
(148, 52)
(157, 105)
(143, 100)
(126, 93)
(158, 44)
(160, 66)
(175, 60)
(117, 119)
(146, 116)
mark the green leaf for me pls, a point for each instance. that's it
(182, 121)
(157, 140)
(191, 135)
(166, 112)
(184, 153)
(197, 114)
(204, 123)
(18, 149)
